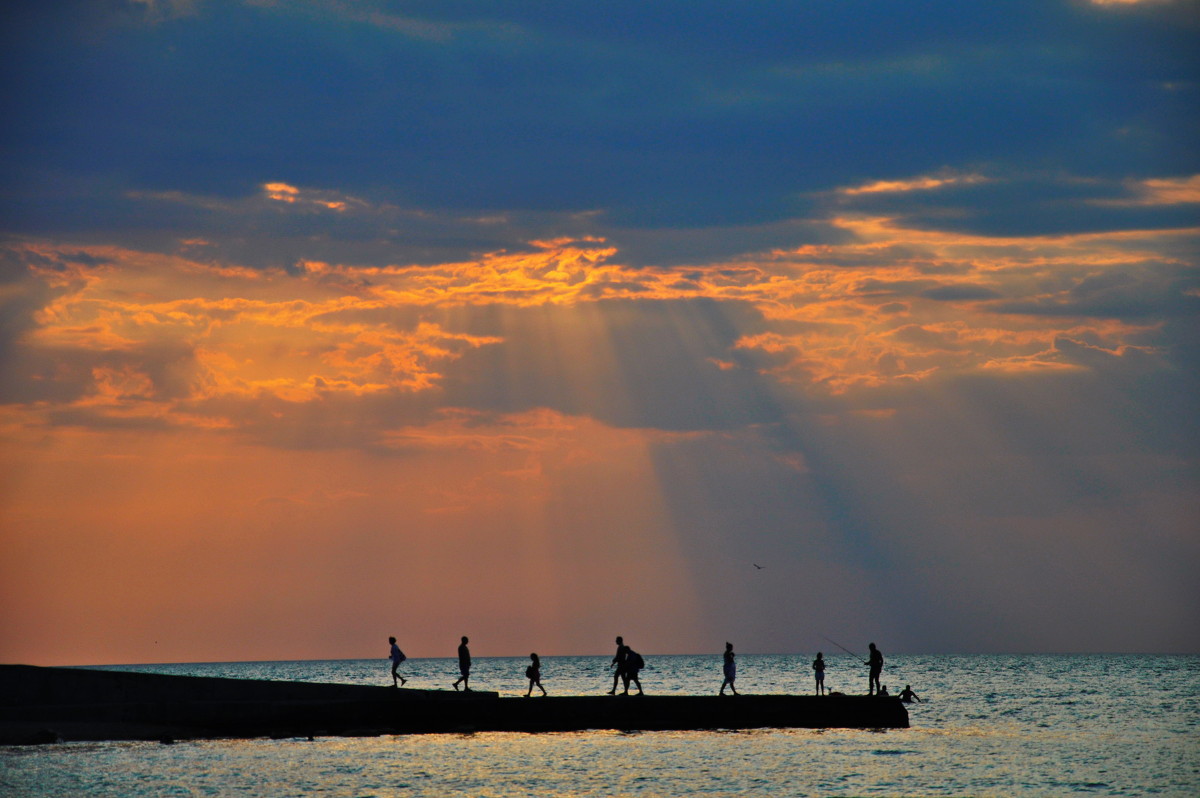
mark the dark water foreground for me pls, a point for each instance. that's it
(39, 705)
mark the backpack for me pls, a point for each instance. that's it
(635, 661)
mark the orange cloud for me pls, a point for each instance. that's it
(290, 195)
(889, 305)
(925, 183)
(1159, 191)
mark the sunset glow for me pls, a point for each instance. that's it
(381, 382)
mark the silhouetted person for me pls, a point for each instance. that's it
(534, 674)
(819, 672)
(619, 661)
(633, 664)
(875, 663)
(397, 656)
(730, 670)
(908, 696)
(464, 666)
(883, 691)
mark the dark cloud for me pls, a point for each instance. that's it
(1153, 290)
(625, 363)
(960, 293)
(676, 115)
(22, 295)
(1010, 200)
(60, 375)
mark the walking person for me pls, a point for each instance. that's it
(730, 667)
(875, 663)
(534, 674)
(396, 656)
(633, 664)
(619, 662)
(819, 672)
(464, 666)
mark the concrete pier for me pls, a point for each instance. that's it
(40, 705)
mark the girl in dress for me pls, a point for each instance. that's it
(534, 674)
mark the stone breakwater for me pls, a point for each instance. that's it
(43, 705)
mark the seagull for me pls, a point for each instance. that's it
(756, 565)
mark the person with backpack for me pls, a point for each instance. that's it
(633, 664)
(397, 656)
(534, 674)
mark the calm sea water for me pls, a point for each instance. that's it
(989, 726)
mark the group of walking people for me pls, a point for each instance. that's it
(628, 664)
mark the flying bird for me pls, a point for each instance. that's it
(756, 565)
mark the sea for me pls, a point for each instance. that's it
(1037, 725)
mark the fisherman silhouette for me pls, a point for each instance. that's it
(730, 670)
(633, 664)
(908, 696)
(534, 674)
(819, 672)
(464, 666)
(619, 661)
(397, 656)
(875, 662)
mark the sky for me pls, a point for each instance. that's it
(544, 322)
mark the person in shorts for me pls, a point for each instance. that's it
(464, 666)
(397, 656)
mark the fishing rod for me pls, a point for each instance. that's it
(851, 653)
(843, 648)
